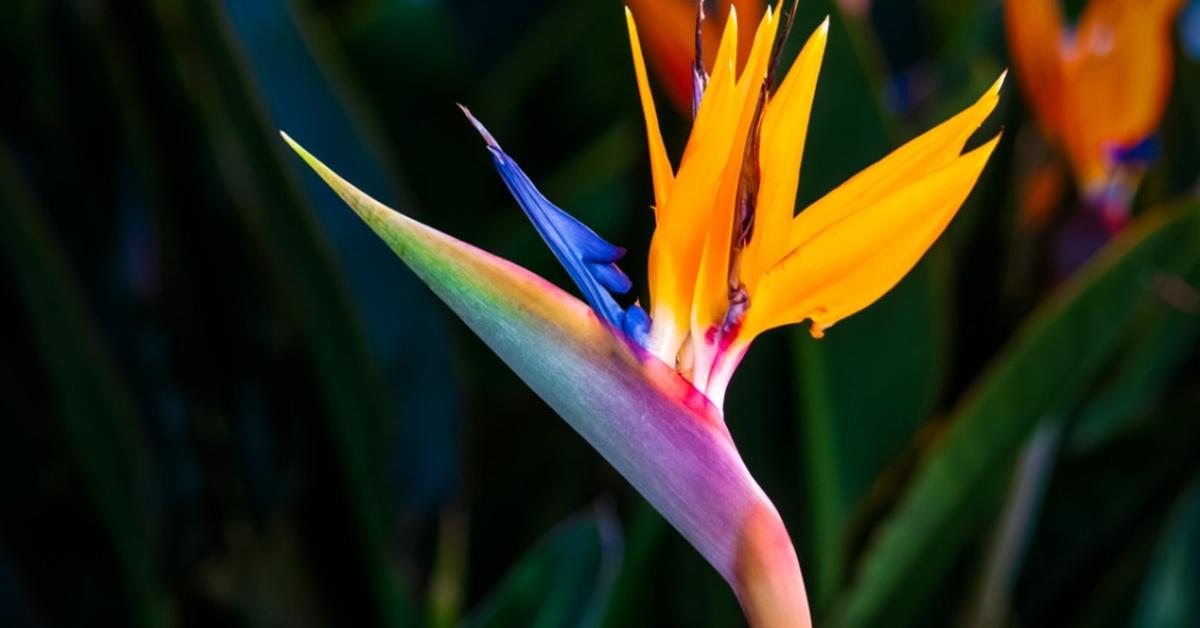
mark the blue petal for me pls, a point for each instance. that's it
(589, 246)
(589, 259)
(611, 277)
(1139, 153)
(637, 325)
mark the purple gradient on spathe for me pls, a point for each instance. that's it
(667, 441)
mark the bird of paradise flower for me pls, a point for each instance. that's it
(1098, 89)
(729, 259)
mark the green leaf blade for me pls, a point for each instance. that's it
(566, 580)
(1060, 350)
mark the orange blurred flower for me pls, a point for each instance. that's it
(671, 40)
(1099, 89)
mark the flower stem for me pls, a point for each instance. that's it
(768, 583)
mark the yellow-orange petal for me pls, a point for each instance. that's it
(920, 157)
(1117, 74)
(784, 130)
(679, 235)
(660, 165)
(671, 39)
(751, 12)
(711, 298)
(1035, 31)
(856, 260)
(718, 98)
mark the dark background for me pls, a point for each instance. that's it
(223, 402)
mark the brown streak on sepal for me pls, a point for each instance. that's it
(699, 75)
(777, 46)
(746, 201)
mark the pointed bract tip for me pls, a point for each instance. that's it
(1000, 81)
(300, 150)
(487, 137)
(291, 142)
(628, 13)
(824, 27)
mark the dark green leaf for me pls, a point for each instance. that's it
(1144, 370)
(1168, 597)
(90, 398)
(632, 593)
(564, 582)
(196, 84)
(291, 52)
(1058, 352)
(1103, 515)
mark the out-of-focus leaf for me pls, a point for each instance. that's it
(90, 399)
(1059, 351)
(423, 42)
(262, 577)
(566, 581)
(198, 77)
(537, 51)
(969, 39)
(1010, 539)
(633, 595)
(857, 414)
(291, 53)
(14, 610)
(849, 128)
(1103, 515)
(1169, 596)
(1142, 373)
(446, 583)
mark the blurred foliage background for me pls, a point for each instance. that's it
(225, 403)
